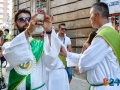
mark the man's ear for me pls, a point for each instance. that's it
(96, 15)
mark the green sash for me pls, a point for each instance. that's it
(16, 79)
(63, 59)
(112, 37)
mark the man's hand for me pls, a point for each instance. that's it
(47, 22)
(36, 22)
(63, 51)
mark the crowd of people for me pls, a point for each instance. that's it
(4, 37)
(42, 64)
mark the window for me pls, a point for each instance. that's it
(41, 4)
(36, 4)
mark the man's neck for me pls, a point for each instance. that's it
(61, 35)
(104, 21)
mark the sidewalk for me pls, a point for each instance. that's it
(5, 74)
(78, 84)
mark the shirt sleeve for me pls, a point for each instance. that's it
(73, 59)
(17, 51)
(94, 54)
(51, 52)
(69, 41)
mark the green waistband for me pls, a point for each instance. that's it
(95, 84)
(38, 87)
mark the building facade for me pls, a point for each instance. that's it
(31, 5)
(4, 12)
(75, 13)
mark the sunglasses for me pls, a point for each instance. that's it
(63, 28)
(23, 19)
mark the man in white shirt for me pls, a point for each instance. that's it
(102, 58)
(33, 62)
(67, 43)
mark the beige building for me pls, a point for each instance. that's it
(75, 13)
(4, 11)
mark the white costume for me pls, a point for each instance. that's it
(18, 51)
(99, 61)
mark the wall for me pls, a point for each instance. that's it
(75, 13)
(18, 4)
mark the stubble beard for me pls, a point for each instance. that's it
(21, 29)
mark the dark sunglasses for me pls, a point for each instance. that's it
(63, 28)
(23, 19)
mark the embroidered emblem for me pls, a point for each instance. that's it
(26, 68)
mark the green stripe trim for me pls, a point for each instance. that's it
(92, 84)
(38, 87)
(15, 80)
(111, 47)
(28, 83)
(112, 37)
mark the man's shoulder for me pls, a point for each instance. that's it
(67, 37)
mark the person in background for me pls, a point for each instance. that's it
(8, 36)
(67, 43)
(88, 41)
(2, 40)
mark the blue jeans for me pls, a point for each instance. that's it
(3, 59)
(69, 72)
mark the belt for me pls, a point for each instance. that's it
(38, 87)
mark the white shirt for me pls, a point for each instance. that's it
(65, 40)
(99, 61)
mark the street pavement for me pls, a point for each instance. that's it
(76, 84)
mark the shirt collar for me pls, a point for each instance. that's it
(64, 35)
(107, 24)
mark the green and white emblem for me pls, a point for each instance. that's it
(26, 68)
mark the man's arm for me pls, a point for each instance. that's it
(93, 55)
(32, 25)
(51, 51)
(17, 51)
(69, 48)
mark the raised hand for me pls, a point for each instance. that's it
(47, 22)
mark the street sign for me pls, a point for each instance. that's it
(114, 5)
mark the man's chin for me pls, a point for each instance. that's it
(25, 28)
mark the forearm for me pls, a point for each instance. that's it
(52, 46)
(74, 56)
(21, 44)
(27, 33)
